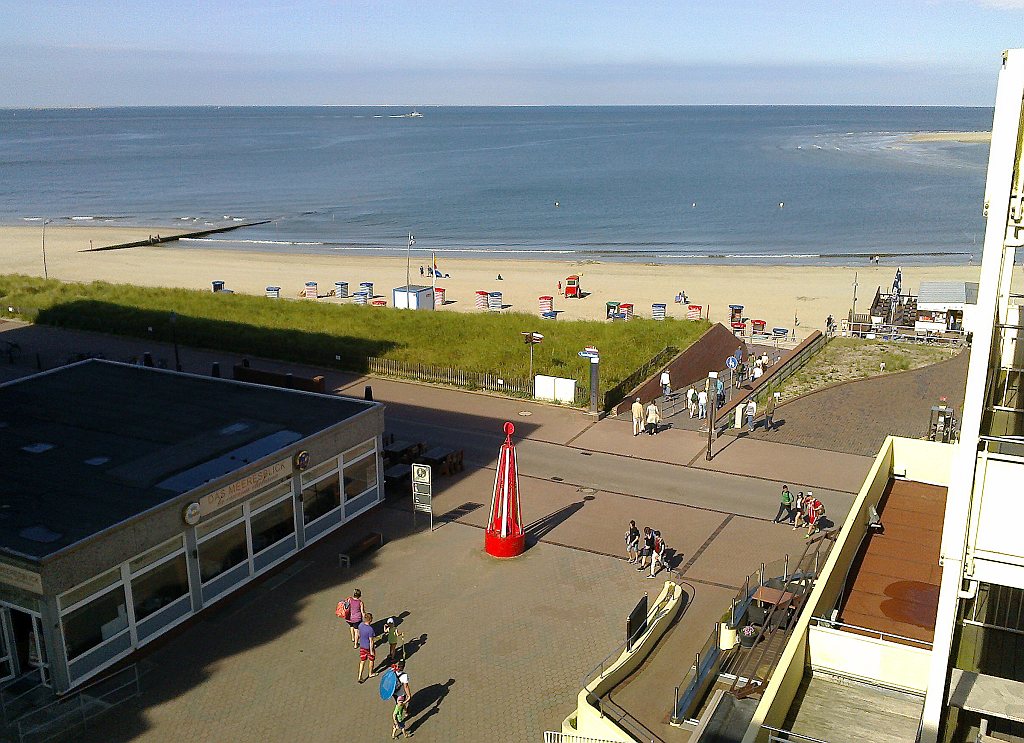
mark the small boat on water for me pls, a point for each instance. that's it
(411, 115)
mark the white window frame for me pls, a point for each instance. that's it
(187, 596)
(341, 496)
(293, 535)
(345, 463)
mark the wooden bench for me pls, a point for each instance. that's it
(370, 542)
(444, 461)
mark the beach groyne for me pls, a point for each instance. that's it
(159, 239)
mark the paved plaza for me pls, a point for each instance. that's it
(497, 649)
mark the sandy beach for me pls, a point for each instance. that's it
(775, 294)
(961, 137)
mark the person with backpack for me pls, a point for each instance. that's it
(785, 505)
(633, 542)
(648, 548)
(352, 610)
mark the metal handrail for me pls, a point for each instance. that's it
(773, 735)
(6, 702)
(881, 635)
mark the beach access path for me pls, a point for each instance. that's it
(529, 629)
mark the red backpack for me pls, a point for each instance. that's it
(342, 611)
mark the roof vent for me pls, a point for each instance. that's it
(234, 428)
(40, 534)
(97, 461)
(37, 448)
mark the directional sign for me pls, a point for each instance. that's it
(589, 353)
(532, 337)
(731, 362)
(421, 473)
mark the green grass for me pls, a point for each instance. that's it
(317, 333)
(845, 359)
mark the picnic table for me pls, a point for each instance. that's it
(773, 596)
(402, 451)
(445, 461)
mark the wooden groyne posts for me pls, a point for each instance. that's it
(157, 240)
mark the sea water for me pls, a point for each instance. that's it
(811, 184)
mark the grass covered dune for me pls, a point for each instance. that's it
(318, 333)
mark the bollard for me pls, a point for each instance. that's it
(368, 393)
(245, 363)
(288, 381)
(215, 371)
(675, 720)
(147, 359)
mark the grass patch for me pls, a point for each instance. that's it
(318, 333)
(845, 359)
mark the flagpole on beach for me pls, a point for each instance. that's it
(408, 259)
(433, 270)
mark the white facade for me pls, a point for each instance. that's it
(414, 297)
(982, 549)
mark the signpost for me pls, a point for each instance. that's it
(712, 400)
(531, 339)
(732, 362)
(595, 360)
(422, 492)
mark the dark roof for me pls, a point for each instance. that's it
(93, 444)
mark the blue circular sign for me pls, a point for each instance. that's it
(731, 362)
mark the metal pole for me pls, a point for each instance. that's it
(408, 260)
(531, 358)
(46, 273)
(594, 375)
(712, 399)
(786, 575)
(174, 338)
(675, 706)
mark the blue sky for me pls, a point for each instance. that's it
(404, 52)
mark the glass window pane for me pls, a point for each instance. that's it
(222, 552)
(320, 498)
(160, 586)
(359, 450)
(95, 622)
(212, 524)
(320, 470)
(272, 525)
(86, 590)
(148, 558)
(360, 477)
(272, 494)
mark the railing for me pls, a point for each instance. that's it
(618, 393)
(512, 386)
(778, 735)
(790, 367)
(9, 703)
(903, 334)
(998, 607)
(77, 709)
(553, 737)
(833, 624)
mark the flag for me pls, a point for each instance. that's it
(412, 240)
(434, 259)
(897, 283)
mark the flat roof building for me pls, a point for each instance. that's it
(132, 498)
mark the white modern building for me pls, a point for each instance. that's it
(944, 306)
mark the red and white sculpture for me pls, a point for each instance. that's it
(504, 536)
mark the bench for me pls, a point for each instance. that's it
(444, 461)
(370, 542)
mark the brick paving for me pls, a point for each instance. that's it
(857, 416)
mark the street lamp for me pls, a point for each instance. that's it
(712, 400)
(46, 273)
(174, 338)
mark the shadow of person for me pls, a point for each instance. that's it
(413, 645)
(428, 701)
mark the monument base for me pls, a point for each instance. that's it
(498, 546)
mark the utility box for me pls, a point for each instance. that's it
(414, 297)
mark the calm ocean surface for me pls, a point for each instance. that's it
(650, 184)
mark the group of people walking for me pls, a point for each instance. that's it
(364, 639)
(645, 420)
(647, 550)
(802, 510)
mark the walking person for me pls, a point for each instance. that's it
(367, 638)
(720, 391)
(815, 511)
(653, 418)
(657, 554)
(691, 401)
(398, 716)
(648, 547)
(637, 409)
(633, 542)
(666, 383)
(799, 505)
(702, 404)
(356, 609)
(393, 637)
(785, 505)
(769, 411)
(751, 413)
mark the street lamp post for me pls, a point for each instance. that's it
(46, 274)
(712, 404)
(174, 339)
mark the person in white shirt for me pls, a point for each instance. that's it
(637, 409)
(751, 411)
(653, 418)
(666, 383)
(702, 404)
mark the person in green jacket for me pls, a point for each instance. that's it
(785, 506)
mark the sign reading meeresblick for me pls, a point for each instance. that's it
(246, 486)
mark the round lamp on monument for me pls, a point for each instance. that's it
(504, 536)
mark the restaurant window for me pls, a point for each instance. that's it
(360, 476)
(160, 586)
(222, 551)
(272, 524)
(318, 471)
(211, 525)
(359, 450)
(90, 588)
(94, 622)
(156, 554)
(269, 496)
(320, 498)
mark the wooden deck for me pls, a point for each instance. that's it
(853, 713)
(894, 580)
